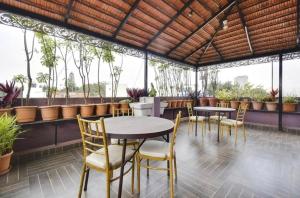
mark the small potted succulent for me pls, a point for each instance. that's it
(10, 94)
(290, 103)
(271, 103)
(9, 130)
(223, 96)
(258, 101)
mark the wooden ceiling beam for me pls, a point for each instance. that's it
(186, 5)
(69, 8)
(133, 7)
(243, 21)
(217, 50)
(230, 3)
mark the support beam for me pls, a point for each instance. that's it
(298, 22)
(216, 49)
(196, 86)
(69, 8)
(186, 5)
(280, 95)
(133, 7)
(208, 43)
(146, 71)
(230, 3)
(25, 13)
(242, 17)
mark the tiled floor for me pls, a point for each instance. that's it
(267, 165)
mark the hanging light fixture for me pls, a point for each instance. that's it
(190, 14)
(225, 24)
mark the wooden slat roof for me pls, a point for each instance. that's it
(186, 30)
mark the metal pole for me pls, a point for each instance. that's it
(196, 86)
(272, 77)
(146, 71)
(280, 95)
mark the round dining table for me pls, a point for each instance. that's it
(217, 110)
(136, 127)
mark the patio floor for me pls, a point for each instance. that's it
(268, 165)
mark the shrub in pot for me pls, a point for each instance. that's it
(290, 104)
(212, 101)
(10, 94)
(203, 101)
(271, 103)
(101, 109)
(258, 101)
(223, 96)
(9, 130)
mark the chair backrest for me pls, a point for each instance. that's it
(240, 115)
(190, 109)
(93, 136)
(122, 112)
(173, 139)
(225, 104)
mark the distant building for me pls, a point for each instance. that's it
(241, 80)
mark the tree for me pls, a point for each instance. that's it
(204, 81)
(71, 82)
(64, 47)
(49, 60)
(98, 53)
(20, 78)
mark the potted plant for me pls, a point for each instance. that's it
(9, 131)
(290, 103)
(124, 105)
(203, 101)
(258, 101)
(271, 103)
(10, 94)
(223, 96)
(234, 99)
(68, 111)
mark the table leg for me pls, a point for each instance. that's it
(230, 127)
(196, 124)
(168, 164)
(122, 168)
(219, 120)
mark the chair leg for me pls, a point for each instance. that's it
(171, 179)
(175, 166)
(244, 130)
(222, 131)
(235, 131)
(209, 129)
(202, 125)
(189, 126)
(138, 173)
(86, 179)
(227, 134)
(132, 174)
(81, 180)
(108, 175)
(147, 168)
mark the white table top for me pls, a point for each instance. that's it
(214, 109)
(137, 127)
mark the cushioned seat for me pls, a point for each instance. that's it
(115, 157)
(200, 118)
(155, 148)
(215, 117)
(230, 122)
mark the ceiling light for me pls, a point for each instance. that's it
(225, 25)
(190, 14)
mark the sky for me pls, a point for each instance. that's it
(13, 62)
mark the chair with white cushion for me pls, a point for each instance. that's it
(237, 123)
(100, 156)
(193, 119)
(156, 150)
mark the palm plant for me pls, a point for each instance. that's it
(20, 78)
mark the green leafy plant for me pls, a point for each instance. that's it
(152, 92)
(223, 95)
(9, 131)
(291, 99)
(126, 101)
(259, 94)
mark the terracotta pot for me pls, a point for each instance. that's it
(173, 103)
(213, 102)
(6, 110)
(257, 105)
(179, 103)
(101, 109)
(169, 103)
(203, 101)
(49, 112)
(271, 106)
(289, 107)
(184, 103)
(113, 106)
(69, 111)
(189, 102)
(86, 110)
(234, 104)
(25, 113)
(245, 103)
(224, 103)
(124, 107)
(5, 163)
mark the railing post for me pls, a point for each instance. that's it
(196, 86)
(280, 95)
(146, 71)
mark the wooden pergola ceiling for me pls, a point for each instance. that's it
(190, 31)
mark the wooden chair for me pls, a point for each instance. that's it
(214, 118)
(120, 112)
(100, 156)
(159, 151)
(237, 123)
(192, 119)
